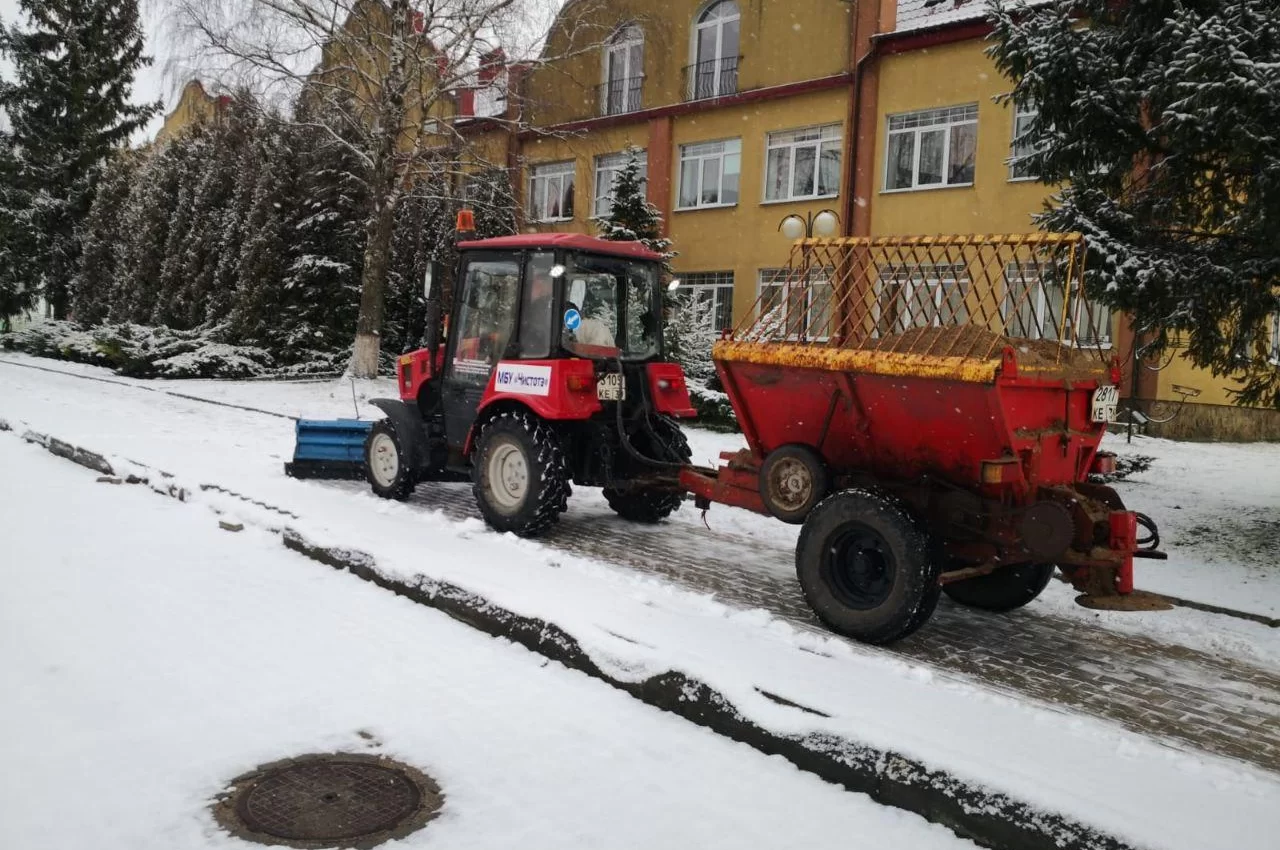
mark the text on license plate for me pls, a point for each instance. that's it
(1105, 402)
(611, 388)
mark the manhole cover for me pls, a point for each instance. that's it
(346, 800)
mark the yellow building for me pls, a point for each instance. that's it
(753, 110)
(195, 106)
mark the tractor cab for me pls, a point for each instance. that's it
(551, 372)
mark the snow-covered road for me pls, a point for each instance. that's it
(149, 658)
(639, 624)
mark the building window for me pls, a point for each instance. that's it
(623, 71)
(1021, 147)
(932, 148)
(709, 174)
(551, 191)
(803, 164)
(607, 168)
(792, 309)
(716, 289)
(921, 296)
(714, 72)
(1275, 339)
(1034, 309)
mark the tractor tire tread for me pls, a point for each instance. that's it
(651, 506)
(552, 497)
(406, 481)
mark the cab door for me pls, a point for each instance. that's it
(485, 315)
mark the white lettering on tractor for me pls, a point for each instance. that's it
(522, 380)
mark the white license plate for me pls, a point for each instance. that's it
(1105, 402)
(611, 388)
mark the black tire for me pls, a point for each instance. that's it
(530, 499)
(650, 506)
(865, 568)
(1003, 590)
(793, 480)
(386, 468)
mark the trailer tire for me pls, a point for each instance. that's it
(651, 505)
(1003, 590)
(793, 480)
(518, 474)
(865, 568)
(386, 465)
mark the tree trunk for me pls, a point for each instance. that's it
(373, 280)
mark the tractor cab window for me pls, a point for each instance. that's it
(611, 308)
(536, 321)
(486, 318)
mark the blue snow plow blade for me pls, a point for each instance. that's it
(329, 448)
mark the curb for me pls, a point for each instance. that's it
(988, 818)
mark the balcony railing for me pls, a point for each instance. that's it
(618, 97)
(712, 78)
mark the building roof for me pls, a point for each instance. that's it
(567, 241)
(920, 14)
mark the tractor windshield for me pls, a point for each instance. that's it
(611, 308)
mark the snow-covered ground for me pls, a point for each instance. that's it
(1150, 793)
(149, 658)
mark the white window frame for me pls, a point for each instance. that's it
(1275, 339)
(1020, 112)
(729, 149)
(618, 48)
(717, 287)
(818, 278)
(606, 171)
(819, 139)
(542, 176)
(703, 22)
(945, 119)
(1100, 314)
(908, 280)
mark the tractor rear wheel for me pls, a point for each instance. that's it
(639, 504)
(865, 567)
(518, 474)
(388, 471)
(1003, 590)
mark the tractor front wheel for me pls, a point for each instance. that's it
(865, 567)
(647, 505)
(518, 474)
(389, 472)
(1002, 590)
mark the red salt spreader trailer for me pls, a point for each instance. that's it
(930, 409)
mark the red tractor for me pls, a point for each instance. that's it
(553, 374)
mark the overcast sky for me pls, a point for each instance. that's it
(165, 78)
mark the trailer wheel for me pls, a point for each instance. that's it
(864, 566)
(385, 466)
(518, 474)
(793, 480)
(649, 505)
(1002, 590)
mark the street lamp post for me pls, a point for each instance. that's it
(822, 225)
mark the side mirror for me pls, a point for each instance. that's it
(431, 279)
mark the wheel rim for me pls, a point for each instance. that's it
(384, 460)
(508, 475)
(860, 568)
(790, 484)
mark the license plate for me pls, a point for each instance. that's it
(1105, 403)
(611, 388)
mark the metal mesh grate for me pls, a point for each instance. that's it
(959, 296)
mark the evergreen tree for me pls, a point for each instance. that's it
(264, 254)
(249, 163)
(69, 108)
(17, 295)
(1161, 119)
(192, 152)
(633, 219)
(146, 234)
(103, 239)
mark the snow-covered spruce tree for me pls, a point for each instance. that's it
(146, 229)
(17, 294)
(1160, 119)
(322, 282)
(69, 107)
(195, 148)
(103, 240)
(248, 161)
(633, 219)
(264, 253)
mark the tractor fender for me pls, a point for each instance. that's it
(409, 428)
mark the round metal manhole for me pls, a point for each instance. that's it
(346, 800)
